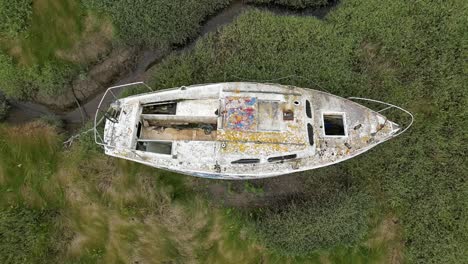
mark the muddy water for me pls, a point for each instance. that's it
(22, 112)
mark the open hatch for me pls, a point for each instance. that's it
(159, 121)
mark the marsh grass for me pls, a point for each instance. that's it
(304, 227)
(25, 235)
(159, 23)
(92, 209)
(28, 61)
(54, 25)
(45, 44)
(29, 159)
(405, 53)
(15, 17)
(128, 212)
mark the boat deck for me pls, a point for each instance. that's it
(172, 134)
(243, 130)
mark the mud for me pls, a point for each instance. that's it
(119, 63)
(252, 194)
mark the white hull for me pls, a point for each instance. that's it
(242, 130)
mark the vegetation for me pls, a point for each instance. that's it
(405, 200)
(84, 207)
(38, 39)
(331, 220)
(29, 42)
(160, 22)
(29, 159)
(4, 107)
(25, 235)
(399, 52)
(15, 17)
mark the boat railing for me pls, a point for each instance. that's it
(388, 107)
(113, 91)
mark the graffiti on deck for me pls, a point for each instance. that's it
(240, 113)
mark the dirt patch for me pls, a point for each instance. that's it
(32, 129)
(268, 192)
(388, 235)
(372, 60)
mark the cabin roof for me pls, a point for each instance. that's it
(254, 124)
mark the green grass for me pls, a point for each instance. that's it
(29, 157)
(35, 35)
(409, 54)
(29, 41)
(54, 25)
(303, 227)
(26, 235)
(116, 211)
(15, 17)
(159, 22)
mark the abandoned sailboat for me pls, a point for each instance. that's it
(240, 130)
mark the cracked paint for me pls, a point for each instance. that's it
(237, 133)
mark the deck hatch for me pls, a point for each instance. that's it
(158, 147)
(333, 124)
(160, 108)
(269, 116)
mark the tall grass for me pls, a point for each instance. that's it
(15, 17)
(29, 157)
(125, 212)
(30, 196)
(159, 22)
(300, 228)
(30, 37)
(26, 235)
(54, 25)
(113, 211)
(35, 35)
(405, 53)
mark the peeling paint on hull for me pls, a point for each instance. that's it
(242, 130)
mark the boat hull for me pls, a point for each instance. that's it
(242, 130)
